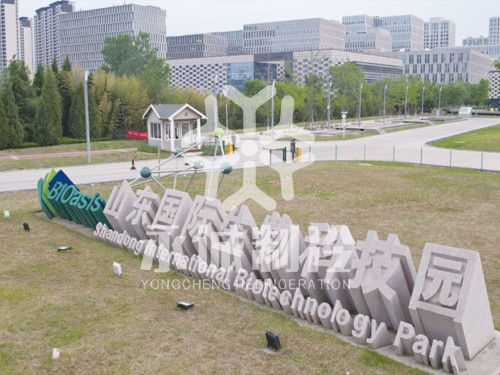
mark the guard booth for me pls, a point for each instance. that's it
(172, 126)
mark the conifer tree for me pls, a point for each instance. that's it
(48, 119)
(14, 127)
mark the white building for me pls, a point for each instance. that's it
(291, 36)
(9, 32)
(26, 43)
(172, 126)
(195, 46)
(475, 41)
(407, 31)
(376, 40)
(82, 33)
(358, 24)
(46, 27)
(494, 30)
(319, 62)
(445, 65)
(439, 32)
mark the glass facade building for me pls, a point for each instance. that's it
(82, 33)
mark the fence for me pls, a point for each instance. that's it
(423, 156)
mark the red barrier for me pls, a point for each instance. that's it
(137, 135)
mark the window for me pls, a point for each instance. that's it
(155, 130)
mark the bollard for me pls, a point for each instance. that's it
(393, 154)
(450, 157)
(133, 165)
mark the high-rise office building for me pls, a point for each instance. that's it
(196, 45)
(475, 41)
(358, 24)
(234, 41)
(26, 43)
(407, 31)
(446, 65)
(46, 27)
(494, 30)
(375, 40)
(439, 32)
(9, 32)
(83, 33)
(290, 36)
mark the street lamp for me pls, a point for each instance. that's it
(272, 109)
(385, 96)
(439, 101)
(423, 94)
(406, 102)
(214, 93)
(328, 112)
(87, 125)
(359, 104)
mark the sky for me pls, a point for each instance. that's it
(200, 16)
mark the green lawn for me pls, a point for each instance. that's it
(487, 139)
(52, 160)
(104, 324)
(100, 145)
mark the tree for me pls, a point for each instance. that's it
(48, 119)
(14, 128)
(38, 79)
(76, 116)
(346, 79)
(18, 82)
(77, 123)
(54, 66)
(4, 139)
(496, 64)
(66, 67)
(134, 56)
(65, 86)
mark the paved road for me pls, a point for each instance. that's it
(405, 146)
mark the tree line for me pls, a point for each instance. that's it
(51, 106)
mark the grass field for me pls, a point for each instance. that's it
(487, 139)
(52, 160)
(104, 324)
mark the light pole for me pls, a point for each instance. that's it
(359, 104)
(406, 102)
(423, 93)
(272, 109)
(214, 93)
(385, 96)
(87, 125)
(439, 101)
(328, 110)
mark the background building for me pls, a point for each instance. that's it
(376, 40)
(475, 41)
(46, 26)
(229, 70)
(82, 33)
(290, 36)
(319, 62)
(26, 43)
(494, 30)
(358, 24)
(444, 65)
(494, 91)
(234, 41)
(195, 46)
(407, 31)
(438, 33)
(9, 33)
